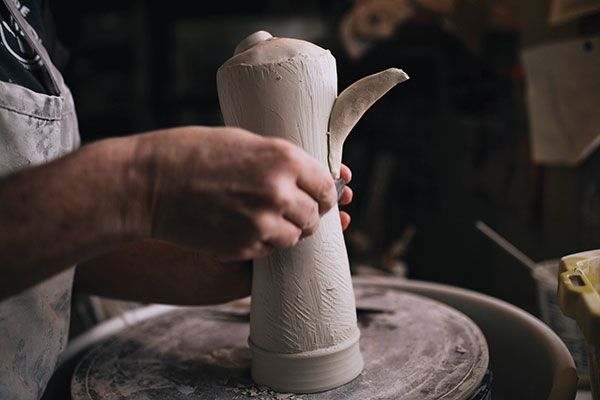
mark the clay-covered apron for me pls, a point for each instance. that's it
(34, 128)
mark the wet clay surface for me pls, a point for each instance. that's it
(413, 348)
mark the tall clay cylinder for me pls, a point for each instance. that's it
(303, 328)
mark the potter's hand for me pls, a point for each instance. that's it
(232, 193)
(347, 194)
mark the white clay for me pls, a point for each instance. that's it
(352, 104)
(303, 330)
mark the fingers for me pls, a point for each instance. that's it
(315, 180)
(270, 232)
(347, 196)
(345, 173)
(304, 213)
(344, 219)
(282, 233)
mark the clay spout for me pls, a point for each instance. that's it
(351, 105)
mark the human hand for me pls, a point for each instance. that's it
(230, 192)
(347, 194)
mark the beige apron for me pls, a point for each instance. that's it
(34, 129)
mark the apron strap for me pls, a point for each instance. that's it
(35, 45)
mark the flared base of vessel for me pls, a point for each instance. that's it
(307, 372)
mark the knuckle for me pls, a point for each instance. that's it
(313, 218)
(263, 226)
(245, 254)
(326, 193)
(312, 223)
(286, 152)
(289, 240)
(294, 236)
(275, 194)
(271, 187)
(263, 251)
(284, 201)
(311, 230)
(252, 251)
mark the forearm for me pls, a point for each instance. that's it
(153, 271)
(59, 214)
(223, 191)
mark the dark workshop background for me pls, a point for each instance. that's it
(439, 152)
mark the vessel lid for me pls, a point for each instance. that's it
(262, 48)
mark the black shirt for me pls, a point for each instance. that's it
(18, 62)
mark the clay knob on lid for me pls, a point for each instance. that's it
(252, 40)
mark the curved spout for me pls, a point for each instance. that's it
(352, 104)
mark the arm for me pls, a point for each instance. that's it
(56, 215)
(157, 272)
(222, 191)
(154, 271)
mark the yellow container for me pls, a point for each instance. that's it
(579, 298)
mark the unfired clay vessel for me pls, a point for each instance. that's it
(303, 329)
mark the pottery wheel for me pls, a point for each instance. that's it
(413, 348)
